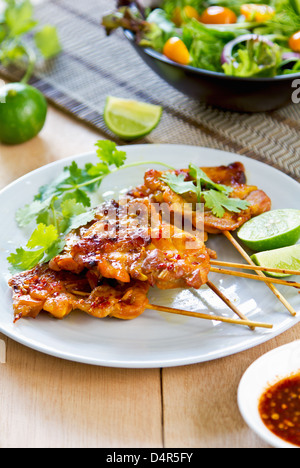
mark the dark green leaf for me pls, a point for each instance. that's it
(199, 175)
(218, 202)
(42, 240)
(48, 42)
(108, 153)
(178, 184)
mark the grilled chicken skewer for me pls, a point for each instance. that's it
(124, 245)
(59, 293)
(128, 241)
(127, 247)
(233, 176)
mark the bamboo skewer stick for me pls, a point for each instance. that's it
(254, 267)
(254, 277)
(279, 296)
(186, 313)
(210, 285)
(227, 301)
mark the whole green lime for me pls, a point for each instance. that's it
(23, 112)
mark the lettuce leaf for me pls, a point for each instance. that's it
(206, 44)
(257, 59)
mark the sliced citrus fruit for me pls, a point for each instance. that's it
(287, 258)
(131, 119)
(271, 230)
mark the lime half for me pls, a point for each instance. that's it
(287, 258)
(130, 119)
(271, 230)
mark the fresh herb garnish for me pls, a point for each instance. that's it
(16, 21)
(215, 196)
(197, 174)
(178, 184)
(41, 247)
(218, 202)
(65, 204)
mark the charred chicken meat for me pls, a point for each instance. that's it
(108, 265)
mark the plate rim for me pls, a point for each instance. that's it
(85, 154)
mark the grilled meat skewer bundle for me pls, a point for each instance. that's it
(129, 241)
(108, 266)
(59, 293)
(233, 176)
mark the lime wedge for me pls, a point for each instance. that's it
(130, 119)
(287, 258)
(271, 230)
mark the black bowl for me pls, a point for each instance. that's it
(219, 90)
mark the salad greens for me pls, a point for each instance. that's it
(256, 59)
(206, 42)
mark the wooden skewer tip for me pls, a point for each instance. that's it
(186, 313)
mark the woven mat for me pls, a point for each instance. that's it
(92, 66)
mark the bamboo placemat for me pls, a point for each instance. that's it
(92, 66)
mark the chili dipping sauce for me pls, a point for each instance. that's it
(279, 408)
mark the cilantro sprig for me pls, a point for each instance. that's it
(215, 196)
(65, 204)
(42, 245)
(217, 202)
(16, 21)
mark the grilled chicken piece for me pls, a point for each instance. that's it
(128, 241)
(233, 175)
(59, 293)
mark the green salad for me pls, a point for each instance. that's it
(233, 37)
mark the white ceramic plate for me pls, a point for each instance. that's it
(267, 370)
(154, 339)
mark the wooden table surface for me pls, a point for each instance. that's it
(47, 402)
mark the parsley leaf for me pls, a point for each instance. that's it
(74, 215)
(65, 204)
(218, 202)
(200, 176)
(109, 154)
(178, 184)
(19, 17)
(16, 21)
(48, 42)
(71, 189)
(43, 244)
(215, 196)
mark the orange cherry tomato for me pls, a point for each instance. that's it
(218, 15)
(188, 12)
(259, 13)
(294, 42)
(176, 50)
